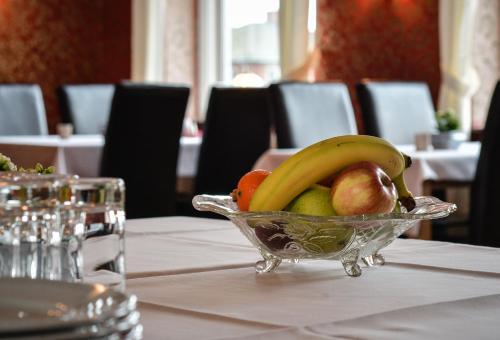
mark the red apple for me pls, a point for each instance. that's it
(363, 188)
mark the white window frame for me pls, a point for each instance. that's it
(214, 49)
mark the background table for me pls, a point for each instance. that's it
(81, 154)
(459, 164)
(194, 278)
(76, 155)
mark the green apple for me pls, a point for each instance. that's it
(315, 200)
(328, 239)
(324, 238)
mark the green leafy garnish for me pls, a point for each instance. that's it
(39, 169)
(6, 163)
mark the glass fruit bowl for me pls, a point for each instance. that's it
(281, 235)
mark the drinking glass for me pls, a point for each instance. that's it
(62, 228)
(37, 236)
(101, 202)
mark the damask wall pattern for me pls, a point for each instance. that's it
(52, 42)
(180, 47)
(379, 39)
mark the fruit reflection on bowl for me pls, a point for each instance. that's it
(282, 235)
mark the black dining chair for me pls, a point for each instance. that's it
(86, 106)
(22, 110)
(485, 198)
(142, 145)
(237, 131)
(396, 110)
(305, 113)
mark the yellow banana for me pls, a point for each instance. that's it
(324, 158)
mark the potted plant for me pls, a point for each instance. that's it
(447, 125)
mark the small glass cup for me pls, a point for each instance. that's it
(62, 228)
(65, 130)
(423, 141)
(101, 201)
(33, 239)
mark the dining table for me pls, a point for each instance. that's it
(195, 279)
(81, 154)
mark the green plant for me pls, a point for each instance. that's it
(447, 121)
(39, 169)
(6, 164)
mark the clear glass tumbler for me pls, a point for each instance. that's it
(62, 228)
(33, 239)
(101, 203)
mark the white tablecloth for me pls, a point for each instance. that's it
(195, 280)
(81, 154)
(459, 164)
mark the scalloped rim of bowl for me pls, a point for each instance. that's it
(215, 203)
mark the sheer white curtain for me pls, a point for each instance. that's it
(213, 61)
(459, 79)
(148, 28)
(294, 36)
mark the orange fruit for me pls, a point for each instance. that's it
(247, 185)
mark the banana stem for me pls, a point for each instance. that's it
(404, 196)
(408, 202)
(408, 160)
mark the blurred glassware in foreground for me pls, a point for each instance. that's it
(60, 227)
(102, 202)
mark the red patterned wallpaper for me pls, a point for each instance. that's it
(51, 42)
(379, 39)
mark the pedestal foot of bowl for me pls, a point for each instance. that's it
(350, 263)
(269, 264)
(374, 260)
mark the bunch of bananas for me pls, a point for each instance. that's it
(327, 157)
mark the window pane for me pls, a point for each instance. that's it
(311, 24)
(254, 38)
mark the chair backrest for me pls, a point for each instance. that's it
(305, 113)
(236, 133)
(485, 198)
(87, 106)
(396, 111)
(142, 145)
(22, 110)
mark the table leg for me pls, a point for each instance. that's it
(425, 232)
(185, 185)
